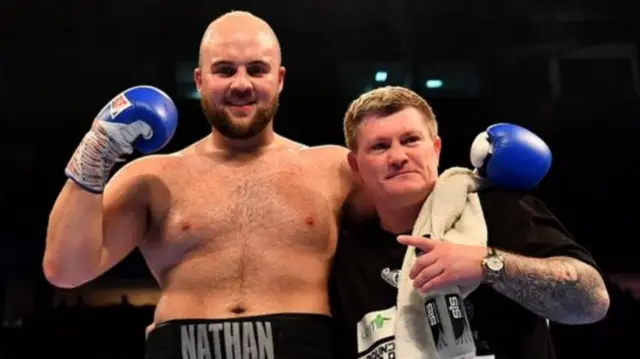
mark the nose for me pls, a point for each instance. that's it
(241, 82)
(397, 157)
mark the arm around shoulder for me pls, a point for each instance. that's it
(358, 204)
(88, 233)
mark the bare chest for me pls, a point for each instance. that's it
(277, 203)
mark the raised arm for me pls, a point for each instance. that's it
(89, 233)
(92, 225)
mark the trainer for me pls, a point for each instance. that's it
(530, 270)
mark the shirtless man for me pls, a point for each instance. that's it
(238, 229)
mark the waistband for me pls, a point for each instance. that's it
(274, 336)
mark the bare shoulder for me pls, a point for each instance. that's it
(141, 169)
(357, 205)
(329, 154)
(134, 183)
(336, 159)
(158, 164)
(323, 156)
(289, 143)
(333, 159)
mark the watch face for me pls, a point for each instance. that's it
(495, 264)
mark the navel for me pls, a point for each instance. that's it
(238, 310)
(185, 226)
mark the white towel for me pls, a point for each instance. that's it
(452, 212)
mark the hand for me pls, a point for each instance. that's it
(141, 117)
(444, 264)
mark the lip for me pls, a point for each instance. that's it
(245, 104)
(242, 108)
(400, 174)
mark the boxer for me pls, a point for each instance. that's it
(530, 271)
(238, 229)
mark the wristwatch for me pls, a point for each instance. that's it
(493, 265)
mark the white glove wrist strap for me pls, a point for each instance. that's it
(93, 160)
(100, 149)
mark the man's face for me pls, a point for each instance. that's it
(397, 158)
(239, 80)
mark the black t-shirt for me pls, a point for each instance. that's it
(365, 275)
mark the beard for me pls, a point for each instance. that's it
(220, 120)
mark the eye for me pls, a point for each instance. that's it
(379, 146)
(225, 71)
(257, 70)
(411, 140)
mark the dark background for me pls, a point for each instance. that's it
(568, 70)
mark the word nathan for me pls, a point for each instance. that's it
(247, 340)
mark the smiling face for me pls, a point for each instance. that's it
(240, 76)
(396, 157)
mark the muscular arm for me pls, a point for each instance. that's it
(344, 184)
(358, 204)
(561, 289)
(89, 233)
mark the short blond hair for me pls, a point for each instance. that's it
(382, 102)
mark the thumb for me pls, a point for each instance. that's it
(140, 127)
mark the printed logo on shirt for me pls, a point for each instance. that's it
(376, 334)
(390, 276)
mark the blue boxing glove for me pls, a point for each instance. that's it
(511, 156)
(142, 117)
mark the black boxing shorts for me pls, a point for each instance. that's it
(278, 336)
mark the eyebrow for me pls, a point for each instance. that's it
(412, 133)
(231, 63)
(408, 133)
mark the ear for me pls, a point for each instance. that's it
(353, 163)
(281, 72)
(197, 78)
(437, 145)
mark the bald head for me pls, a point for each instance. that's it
(240, 28)
(240, 75)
